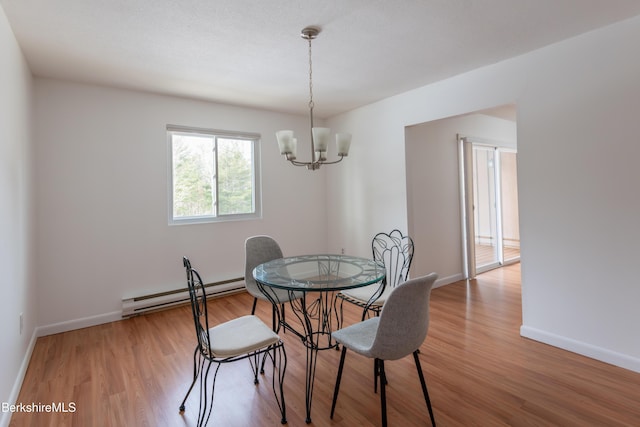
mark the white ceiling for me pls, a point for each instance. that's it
(249, 52)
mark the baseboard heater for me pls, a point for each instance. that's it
(162, 300)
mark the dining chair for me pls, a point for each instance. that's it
(258, 250)
(395, 251)
(245, 337)
(399, 331)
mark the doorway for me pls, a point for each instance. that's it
(490, 205)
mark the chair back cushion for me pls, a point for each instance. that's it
(395, 251)
(258, 249)
(404, 319)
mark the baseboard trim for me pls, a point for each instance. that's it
(84, 322)
(584, 349)
(448, 280)
(17, 385)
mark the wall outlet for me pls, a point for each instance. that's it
(21, 324)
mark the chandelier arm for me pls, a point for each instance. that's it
(317, 162)
(333, 162)
(297, 163)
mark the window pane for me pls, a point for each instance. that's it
(215, 175)
(484, 194)
(192, 175)
(235, 176)
(509, 195)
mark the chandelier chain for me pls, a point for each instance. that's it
(311, 105)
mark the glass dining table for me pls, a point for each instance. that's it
(312, 283)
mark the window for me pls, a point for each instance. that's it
(214, 175)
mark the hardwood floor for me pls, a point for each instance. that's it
(479, 371)
(485, 254)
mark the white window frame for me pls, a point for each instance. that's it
(214, 133)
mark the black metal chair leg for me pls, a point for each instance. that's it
(195, 377)
(284, 320)
(337, 388)
(213, 390)
(281, 369)
(264, 359)
(424, 387)
(383, 394)
(273, 317)
(254, 361)
(375, 376)
(253, 311)
(276, 327)
(204, 411)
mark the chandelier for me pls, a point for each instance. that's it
(287, 142)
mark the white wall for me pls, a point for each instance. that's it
(17, 294)
(578, 103)
(578, 151)
(102, 228)
(433, 189)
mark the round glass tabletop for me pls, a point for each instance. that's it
(319, 272)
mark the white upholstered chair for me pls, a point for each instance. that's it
(399, 331)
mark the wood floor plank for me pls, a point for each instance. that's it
(478, 368)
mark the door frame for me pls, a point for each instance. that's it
(466, 145)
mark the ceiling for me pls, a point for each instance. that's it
(249, 52)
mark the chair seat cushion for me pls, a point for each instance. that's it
(364, 294)
(240, 336)
(359, 336)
